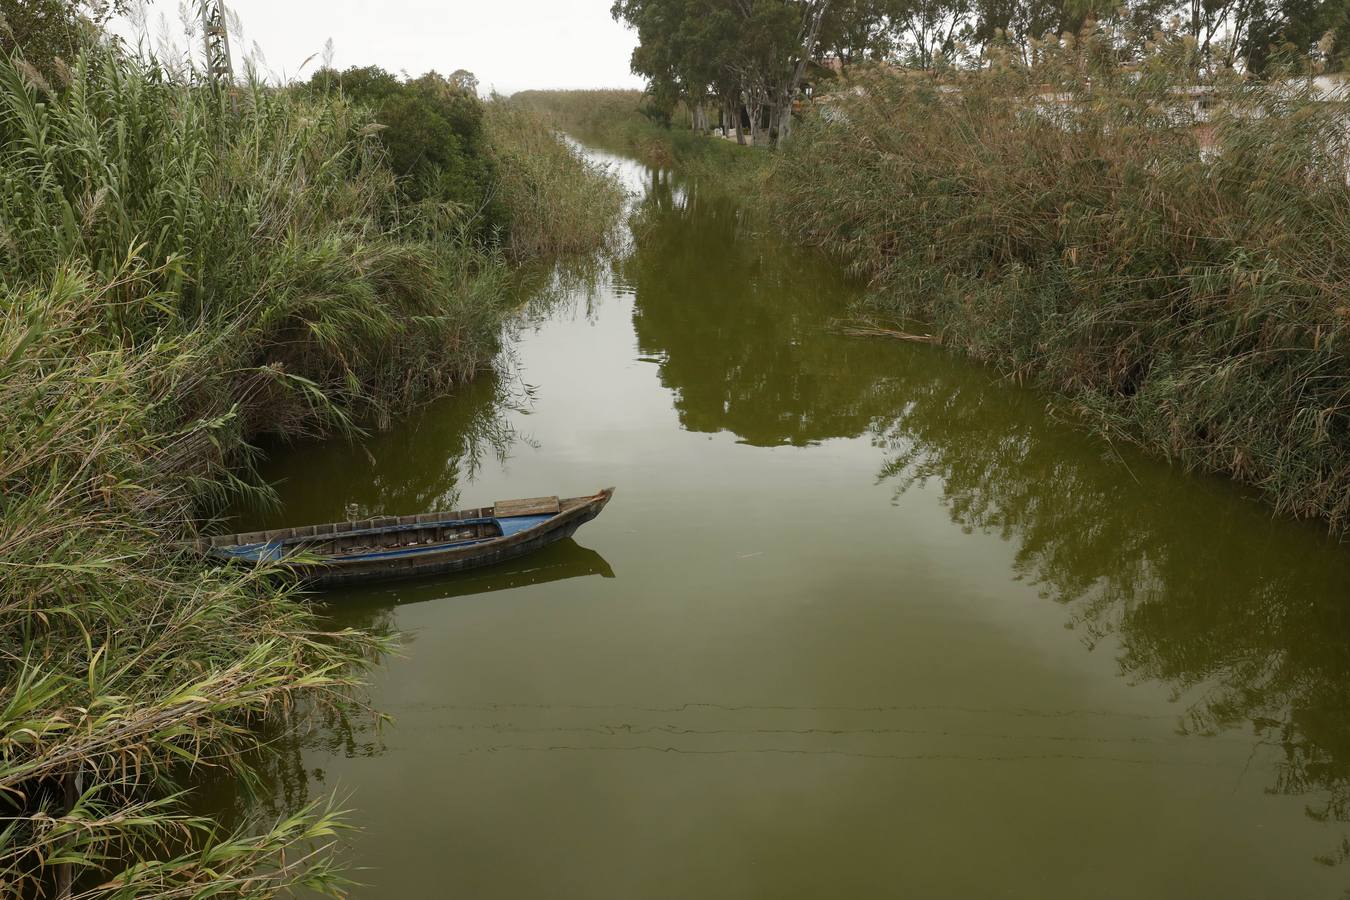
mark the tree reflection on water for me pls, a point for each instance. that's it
(1243, 617)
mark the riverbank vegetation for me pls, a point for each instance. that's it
(185, 267)
(552, 210)
(624, 121)
(1137, 205)
(499, 166)
(1155, 238)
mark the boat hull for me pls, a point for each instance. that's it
(430, 560)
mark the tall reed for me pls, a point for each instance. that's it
(126, 665)
(558, 202)
(273, 227)
(1174, 267)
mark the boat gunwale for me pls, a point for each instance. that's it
(355, 532)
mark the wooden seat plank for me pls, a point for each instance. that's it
(531, 506)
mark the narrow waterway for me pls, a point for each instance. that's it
(862, 620)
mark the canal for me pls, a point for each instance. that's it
(862, 620)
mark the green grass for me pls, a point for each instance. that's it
(181, 271)
(1194, 303)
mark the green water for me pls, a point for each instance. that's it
(861, 621)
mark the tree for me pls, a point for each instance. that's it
(44, 31)
(752, 52)
(926, 28)
(433, 133)
(854, 30)
(465, 80)
(1015, 22)
(1230, 21)
(1318, 28)
(812, 17)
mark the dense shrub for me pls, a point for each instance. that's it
(45, 31)
(434, 133)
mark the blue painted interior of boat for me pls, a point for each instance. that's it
(270, 551)
(513, 524)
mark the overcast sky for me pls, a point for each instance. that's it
(510, 45)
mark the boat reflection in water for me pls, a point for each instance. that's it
(560, 561)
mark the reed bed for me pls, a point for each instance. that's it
(614, 119)
(559, 203)
(1175, 269)
(128, 668)
(181, 269)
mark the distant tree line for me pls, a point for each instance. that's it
(750, 58)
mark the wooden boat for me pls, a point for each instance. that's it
(404, 546)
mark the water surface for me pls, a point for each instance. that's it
(862, 620)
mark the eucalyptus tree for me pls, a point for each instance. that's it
(753, 54)
(1229, 22)
(664, 51)
(1258, 32)
(926, 30)
(1320, 28)
(696, 49)
(855, 30)
(1015, 23)
(812, 16)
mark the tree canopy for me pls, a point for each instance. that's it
(756, 53)
(433, 132)
(750, 52)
